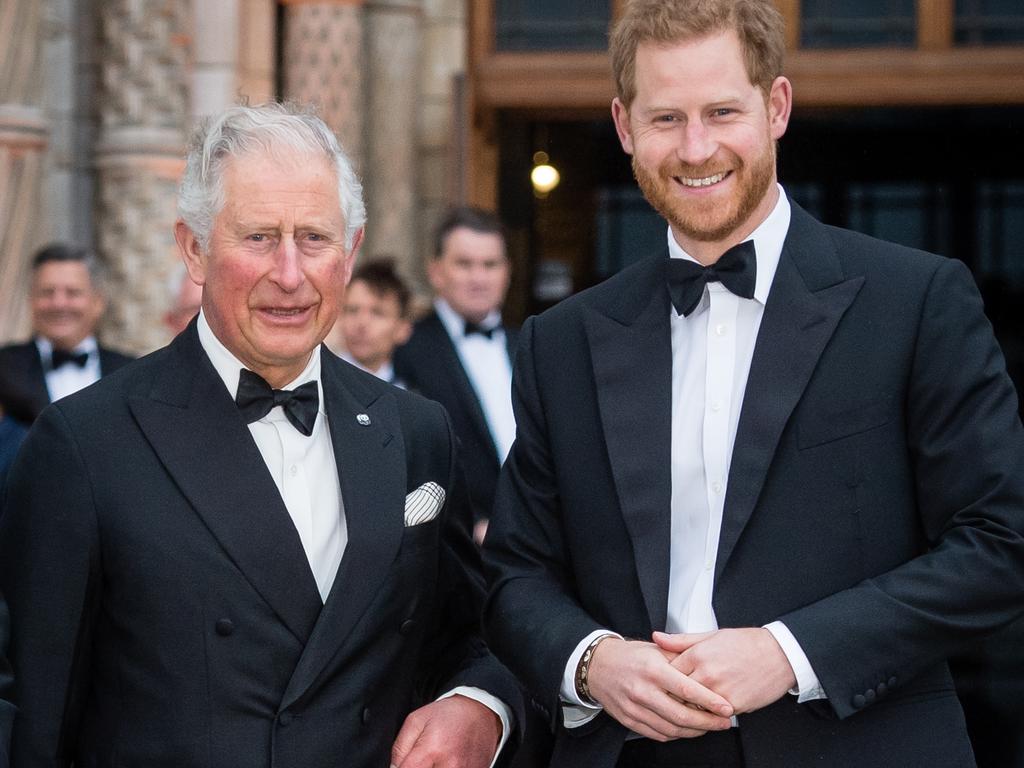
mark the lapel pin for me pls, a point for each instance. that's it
(363, 419)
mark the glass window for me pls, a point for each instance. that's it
(857, 23)
(628, 229)
(910, 213)
(551, 25)
(1000, 207)
(989, 22)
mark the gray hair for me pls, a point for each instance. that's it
(242, 129)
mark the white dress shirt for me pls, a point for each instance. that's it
(489, 370)
(306, 474)
(712, 349)
(69, 378)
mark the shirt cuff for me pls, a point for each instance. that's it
(493, 703)
(808, 687)
(574, 711)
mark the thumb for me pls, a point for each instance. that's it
(679, 642)
(406, 739)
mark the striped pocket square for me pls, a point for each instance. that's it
(423, 504)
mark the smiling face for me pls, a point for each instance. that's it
(702, 137)
(276, 266)
(372, 325)
(65, 304)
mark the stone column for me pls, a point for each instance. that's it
(23, 136)
(139, 156)
(323, 65)
(394, 32)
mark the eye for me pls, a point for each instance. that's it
(722, 112)
(258, 237)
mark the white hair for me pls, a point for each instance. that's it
(240, 130)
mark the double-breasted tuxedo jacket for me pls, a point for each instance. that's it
(875, 500)
(429, 364)
(163, 609)
(23, 392)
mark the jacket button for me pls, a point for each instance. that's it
(869, 694)
(407, 627)
(892, 682)
(285, 719)
(881, 689)
(859, 701)
(366, 715)
(224, 627)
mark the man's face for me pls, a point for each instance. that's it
(276, 266)
(372, 325)
(65, 304)
(472, 272)
(186, 306)
(702, 137)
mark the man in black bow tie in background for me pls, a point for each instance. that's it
(241, 550)
(772, 478)
(66, 299)
(460, 354)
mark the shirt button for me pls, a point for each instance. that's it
(716, 406)
(708, 566)
(716, 487)
(295, 470)
(721, 329)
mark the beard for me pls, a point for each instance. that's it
(710, 219)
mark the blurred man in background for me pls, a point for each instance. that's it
(375, 318)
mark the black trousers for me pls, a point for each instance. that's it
(716, 749)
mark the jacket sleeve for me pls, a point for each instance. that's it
(966, 450)
(49, 573)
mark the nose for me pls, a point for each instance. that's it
(287, 272)
(696, 145)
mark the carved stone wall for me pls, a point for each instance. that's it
(23, 136)
(143, 117)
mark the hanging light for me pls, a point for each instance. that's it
(544, 176)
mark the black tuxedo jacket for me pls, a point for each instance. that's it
(163, 609)
(875, 501)
(23, 391)
(429, 364)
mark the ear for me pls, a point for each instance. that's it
(780, 105)
(434, 276)
(191, 253)
(620, 114)
(402, 333)
(350, 257)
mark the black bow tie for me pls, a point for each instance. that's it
(255, 399)
(472, 328)
(736, 270)
(61, 357)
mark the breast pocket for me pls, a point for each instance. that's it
(821, 428)
(422, 537)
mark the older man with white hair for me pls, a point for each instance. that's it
(242, 551)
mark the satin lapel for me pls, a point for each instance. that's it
(192, 423)
(371, 468)
(631, 351)
(452, 369)
(808, 297)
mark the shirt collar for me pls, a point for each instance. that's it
(768, 240)
(229, 367)
(455, 323)
(88, 345)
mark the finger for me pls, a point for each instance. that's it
(405, 741)
(659, 710)
(677, 643)
(689, 691)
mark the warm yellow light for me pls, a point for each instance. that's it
(545, 178)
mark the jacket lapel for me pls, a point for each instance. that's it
(808, 297)
(192, 423)
(631, 350)
(371, 468)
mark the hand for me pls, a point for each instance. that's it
(636, 685)
(746, 666)
(456, 732)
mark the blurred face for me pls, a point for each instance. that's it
(65, 304)
(277, 266)
(472, 272)
(372, 325)
(702, 137)
(186, 306)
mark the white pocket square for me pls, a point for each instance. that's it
(423, 504)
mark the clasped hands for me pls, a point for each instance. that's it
(682, 686)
